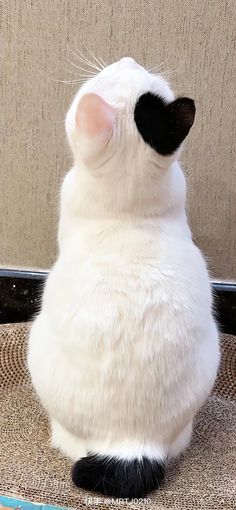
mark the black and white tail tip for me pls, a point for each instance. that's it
(118, 478)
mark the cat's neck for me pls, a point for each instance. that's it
(90, 204)
(135, 191)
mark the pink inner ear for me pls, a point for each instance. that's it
(94, 116)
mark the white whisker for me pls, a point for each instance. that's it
(58, 81)
(92, 64)
(173, 69)
(78, 57)
(72, 72)
(80, 68)
(103, 62)
(84, 59)
(76, 74)
(65, 81)
(156, 67)
(93, 56)
(166, 73)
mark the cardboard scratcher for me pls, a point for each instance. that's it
(203, 478)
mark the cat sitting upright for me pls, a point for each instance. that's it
(125, 348)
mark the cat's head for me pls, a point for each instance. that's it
(125, 124)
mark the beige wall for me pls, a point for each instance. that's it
(194, 35)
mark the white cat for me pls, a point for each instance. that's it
(125, 349)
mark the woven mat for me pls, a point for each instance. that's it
(203, 478)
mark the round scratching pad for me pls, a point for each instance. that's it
(30, 469)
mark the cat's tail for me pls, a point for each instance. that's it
(117, 477)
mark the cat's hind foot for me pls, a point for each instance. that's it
(125, 472)
(116, 477)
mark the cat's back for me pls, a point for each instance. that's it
(108, 270)
(115, 304)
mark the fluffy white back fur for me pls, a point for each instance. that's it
(125, 349)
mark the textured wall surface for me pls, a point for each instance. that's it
(194, 37)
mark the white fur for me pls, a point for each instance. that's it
(125, 349)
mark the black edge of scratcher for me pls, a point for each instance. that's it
(21, 291)
(20, 294)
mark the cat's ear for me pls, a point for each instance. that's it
(164, 126)
(94, 121)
